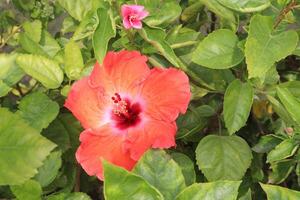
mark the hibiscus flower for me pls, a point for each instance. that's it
(133, 16)
(125, 109)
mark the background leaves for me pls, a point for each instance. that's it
(241, 127)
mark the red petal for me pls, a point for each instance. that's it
(86, 104)
(166, 93)
(97, 146)
(155, 134)
(121, 71)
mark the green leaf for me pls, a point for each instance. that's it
(212, 78)
(156, 37)
(221, 11)
(105, 30)
(49, 44)
(223, 157)
(291, 104)
(238, 100)
(38, 110)
(157, 15)
(121, 184)
(49, 170)
(10, 72)
(33, 30)
(264, 46)
(191, 11)
(219, 50)
(292, 86)
(69, 25)
(297, 50)
(281, 170)
(284, 150)
(22, 149)
(266, 143)
(41, 68)
(280, 110)
(77, 8)
(219, 190)
(4, 89)
(69, 196)
(73, 60)
(246, 5)
(187, 167)
(280, 193)
(73, 127)
(190, 123)
(86, 27)
(158, 169)
(30, 190)
(57, 133)
(31, 46)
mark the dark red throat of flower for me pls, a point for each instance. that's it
(125, 114)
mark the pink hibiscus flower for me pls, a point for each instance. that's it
(133, 16)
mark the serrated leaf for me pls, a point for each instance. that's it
(49, 170)
(187, 167)
(223, 157)
(22, 149)
(103, 33)
(38, 110)
(73, 60)
(246, 6)
(161, 171)
(121, 184)
(41, 68)
(77, 8)
(30, 190)
(219, 190)
(264, 46)
(284, 150)
(219, 50)
(238, 100)
(280, 193)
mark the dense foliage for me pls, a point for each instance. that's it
(239, 138)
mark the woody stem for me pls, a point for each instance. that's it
(284, 12)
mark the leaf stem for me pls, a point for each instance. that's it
(77, 183)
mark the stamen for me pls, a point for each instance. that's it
(120, 105)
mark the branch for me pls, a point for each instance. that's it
(284, 12)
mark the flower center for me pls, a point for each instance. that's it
(125, 114)
(132, 18)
